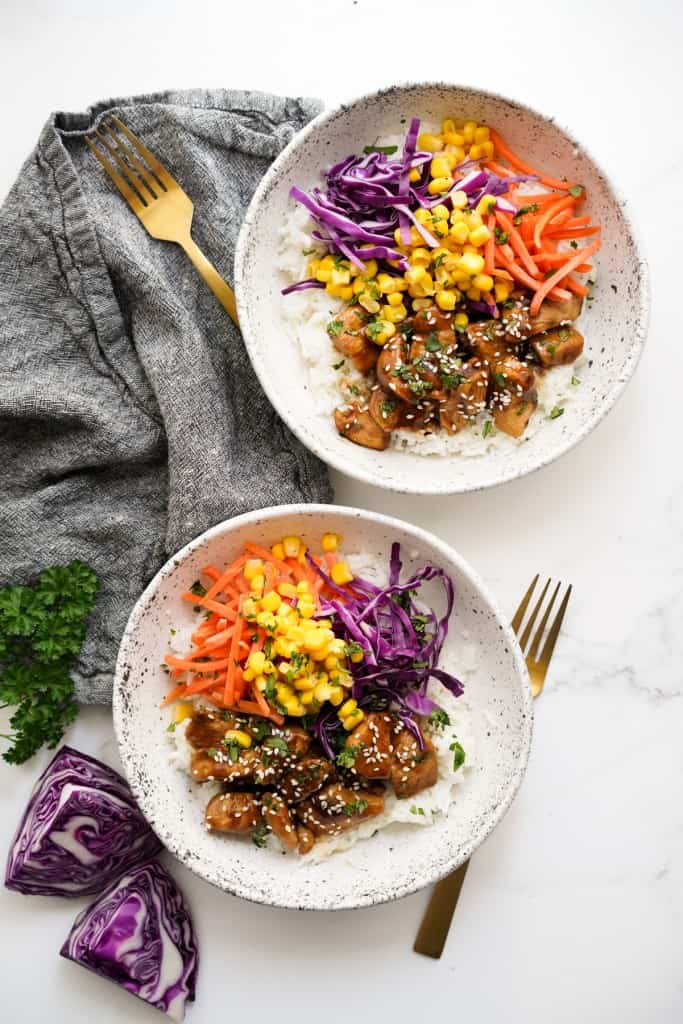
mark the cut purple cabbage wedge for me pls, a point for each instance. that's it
(139, 935)
(81, 828)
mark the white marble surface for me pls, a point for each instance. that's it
(573, 910)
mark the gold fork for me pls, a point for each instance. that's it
(431, 938)
(155, 197)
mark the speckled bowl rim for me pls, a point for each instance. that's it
(497, 813)
(347, 467)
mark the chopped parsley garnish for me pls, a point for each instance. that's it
(501, 236)
(487, 428)
(550, 349)
(338, 366)
(307, 252)
(387, 407)
(213, 753)
(438, 260)
(402, 598)
(574, 244)
(355, 807)
(576, 191)
(548, 274)
(198, 589)
(339, 262)
(419, 622)
(232, 749)
(277, 743)
(432, 344)
(555, 412)
(171, 727)
(334, 328)
(387, 150)
(531, 208)
(458, 755)
(417, 810)
(375, 329)
(420, 664)
(438, 719)
(259, 835)
(563, 334)
(500, 379)
(451, 380)
(353, 648)
(346, 758)
(354, 389)
(575, 381)
(259, 728)
(268, 647)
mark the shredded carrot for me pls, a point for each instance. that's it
(201, 685)
(193, 666)
(548, 214)
(212, 572)
(234, 649)
(502, 274)
(227, 611)
(230, 573)
(502, 172)
(573, 233)
(267, 556)
(576, 222)
(173, 694)
(559, 274)
(575, 286)
(516, 242)
(520, 165)
(561, 218)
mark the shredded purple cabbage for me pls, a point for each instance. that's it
(367, 198)
(401, 640)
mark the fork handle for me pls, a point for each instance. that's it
(436, 922)
(218, 286)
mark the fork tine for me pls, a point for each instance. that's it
(162, 174)
(145, 176)
(128, 193)
(549, 647)
(533, 651)
(126, 172)
(523, 605)
(534, 615)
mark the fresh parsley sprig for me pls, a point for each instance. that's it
(42, 628)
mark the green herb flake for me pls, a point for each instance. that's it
(213, 753)
(438, 719)
(277, 743)
(307, 252)
(259, 835)
(556, 412)
(414, 809)
(432, 344)
(487, 428)
(338, 366)
(387, 407)
(387, 150)
(501, 236)
(346, 758)
(574, 244)
(575, 381)
(171, 727)
(335, 328)
(563, 334)
(355, 807)
(458, 755)
(576, 191)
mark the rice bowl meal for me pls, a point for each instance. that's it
(432, 289)
(314, 704)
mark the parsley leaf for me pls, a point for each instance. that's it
(338, 366)
(576, 191)
(556, 411)
(458, 755)
(575, 381)
(259, 835)
(346, 758)
(42, 628)
(387, 150)
(432, 344)
(487, 428)
(334, 328)
(438, 719)
(277, 743)
(355, 807)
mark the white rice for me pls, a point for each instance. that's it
(428, 805)
(306, 315)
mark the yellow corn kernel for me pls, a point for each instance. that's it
(248, 675)
(438, 185)
(484, 282)
(395, 299)
(351, 721)
(359, 286)
(474, 294)
(284, 647)
(182, 711)
(340, 275)
(448, 125)
(302, 587)
(306, 609)
(271, 601)
(346, 293)
(286, 590)
(486, 205)
(323, 275)
(414, 174)
(341, 573)
(312, 268)
(440, 212)
(315, 640)
(482, 134)
(258, 583)
(295, 634)
(395, 314)
(475, 153)
(301, 557)
(419, 257)
(322, 692)
(342, 679)
(487, 150)
(384, 329)
(266, 620)
(238, 736)
(330, 541)
(468, 131)
(502, 290)
(347, 708)
(257, 660)
(480, 236)
(291, 546)
(249, 608)
(419, 304)
(442, 277)
(336, 695)
(260, 683)
(337, 647)
(455, 139)
(430, 143)
(295, 708)
(277, 551)
(458, 152)
(440, 167)
(368, 302)
(252, 567)
(461, 319)
(308, 700)
(471, 263)
(370, 270)
(459, 232)
(331, 662)
(284, 691)
(303, 683)
(445, 300)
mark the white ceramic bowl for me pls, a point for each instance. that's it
(614, 324)
(401, 858)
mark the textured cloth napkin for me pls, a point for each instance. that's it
(130, 417)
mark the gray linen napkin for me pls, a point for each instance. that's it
(130, 417)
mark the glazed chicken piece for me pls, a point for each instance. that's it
(421, 416)
(513, 396)
(555, 314)
(355, 423)
(352, 340)
(486, 338)
(216, 764)
(372, 743)
(276, 814)
(305, 839)
(515, 322)
(434, 320)
(232, 812)
(558, 347)
(338, 808)
(385, 409)
(305, 779)
(412, 769)
(393, 369)
(297, 739)
(207, 729)
(467, 400)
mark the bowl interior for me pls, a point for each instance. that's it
(614, 321)
(399, 859)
